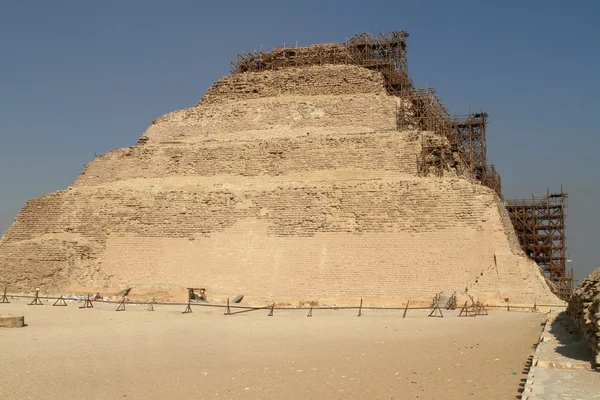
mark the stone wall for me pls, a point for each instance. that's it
(397, 238)
(584, 312)
(276, 118)
(387, 151)
(285, 103)
(279, 184)
(308, 81)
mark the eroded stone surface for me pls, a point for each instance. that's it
(584, 313)
(11, 321)
(291, 183)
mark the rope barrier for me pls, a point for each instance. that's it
(361, 307)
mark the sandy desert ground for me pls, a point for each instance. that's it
(69, 353)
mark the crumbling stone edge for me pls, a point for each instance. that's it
(531, 385)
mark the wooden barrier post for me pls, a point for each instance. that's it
(88, 303)
(36, 300)
(436, 299)
(121, 306)
(451, 305)
(481, 308)
(227, 310)
(473, 306)
(465, 311)
(4, 299)
(405, 309)
(434, 312)
(60, 302)
(271, 312)
(360, 308)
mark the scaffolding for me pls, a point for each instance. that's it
(492, 179)
(383, 52)
(291, 56)
(422, 109)
(540, 225)
(469, 136)
(436, 157)
(418, 109)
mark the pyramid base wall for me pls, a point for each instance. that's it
(377, 238)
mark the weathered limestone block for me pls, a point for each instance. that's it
(371, 237)
(387, 151)
(584, 311)
(276, 118)
(306, 81)
(11, 321)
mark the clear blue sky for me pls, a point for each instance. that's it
(84, 77)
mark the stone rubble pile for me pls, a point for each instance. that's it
(584, 312)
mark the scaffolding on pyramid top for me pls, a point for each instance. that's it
(383, 52)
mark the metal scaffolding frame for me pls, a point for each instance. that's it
(540, 225)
